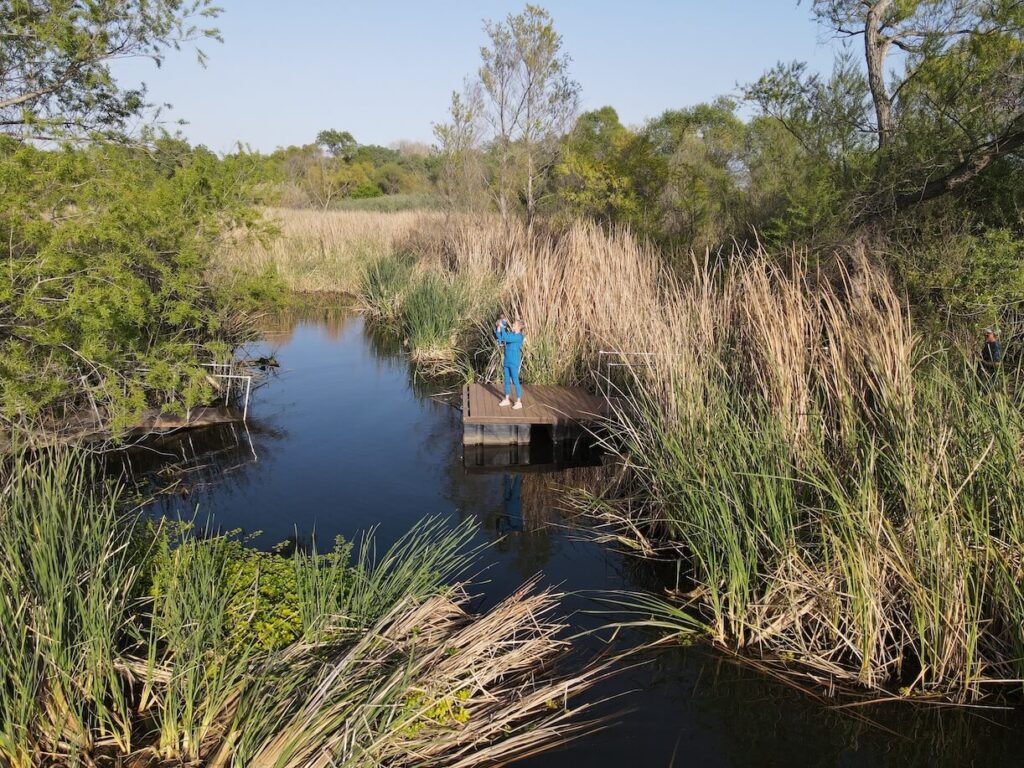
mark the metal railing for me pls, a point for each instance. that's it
(226, 372)
(606, 359)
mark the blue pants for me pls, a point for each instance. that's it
(510, 374)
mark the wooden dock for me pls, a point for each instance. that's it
(562, 409)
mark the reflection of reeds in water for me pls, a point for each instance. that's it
(547, 497)
(329, 314)
(728, 690)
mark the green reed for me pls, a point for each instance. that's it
(122, 636)
(890, 557)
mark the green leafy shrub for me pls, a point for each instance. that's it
(104, 303)
(366, 190)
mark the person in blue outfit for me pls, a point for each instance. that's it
(511, 338)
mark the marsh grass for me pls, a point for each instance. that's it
(842, 503)
(123, 638)
(841, 495)
(70, 580)
(579, 292)
(318, 251)
(412, 201)
(435, 311)
(384, 283)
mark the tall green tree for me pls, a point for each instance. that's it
(529, 102)
(952, 105)
(811, 150)
(462, 176)
(104, 303)
(338, 143)
(595, 173)
(701, 148)
(55, 57)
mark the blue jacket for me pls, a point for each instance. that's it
(992, 352)
(513, 347)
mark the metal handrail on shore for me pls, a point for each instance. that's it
(605, 355)
(224, 371)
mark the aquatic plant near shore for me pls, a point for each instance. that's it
(383, 286)
(119, 639)
(435, 310)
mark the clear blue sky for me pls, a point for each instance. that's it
(385, 70)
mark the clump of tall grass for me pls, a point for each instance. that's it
(433, 313)
(840, 499)
(69, 585)
(383, 285)
(436, 312)
(580, 291)
(119, 637)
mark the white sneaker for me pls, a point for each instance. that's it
(505, 402)
(518, 406)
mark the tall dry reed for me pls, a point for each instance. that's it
(319, 251)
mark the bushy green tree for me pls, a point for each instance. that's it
(681, 179)
(338, 143)
(104, 302)
(595, 174)
(701, 150)
(348, 170)
(55, 57)
(947, 111)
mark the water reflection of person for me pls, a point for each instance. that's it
(512, 520)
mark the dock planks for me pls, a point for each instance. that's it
(546, 405)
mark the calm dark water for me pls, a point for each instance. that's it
(343, 438)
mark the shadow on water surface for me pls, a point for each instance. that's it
(344, 438)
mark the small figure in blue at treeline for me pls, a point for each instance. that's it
(511, 338)
(991, 353)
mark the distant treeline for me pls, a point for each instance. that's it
(914, 141)
(336, 167)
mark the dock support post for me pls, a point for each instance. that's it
(567, 431)
(510, 455)
(496, 434)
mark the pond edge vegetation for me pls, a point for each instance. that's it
(125, 637)
(841, 488)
